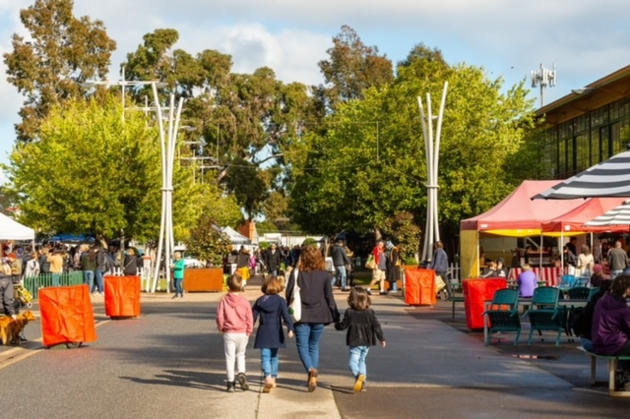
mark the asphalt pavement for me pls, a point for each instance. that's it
(169, 362)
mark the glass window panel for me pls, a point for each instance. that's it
(582, 151)
(604, 142)
(570, 156)
(562, 158)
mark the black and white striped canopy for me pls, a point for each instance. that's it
(617, 216)
(607, 179)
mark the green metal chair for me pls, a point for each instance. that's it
(503, 314)
(579, 293)
(545, 314)
(591, 293)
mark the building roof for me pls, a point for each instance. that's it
(607, 89)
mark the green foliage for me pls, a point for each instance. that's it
(207, 242)
(249, 188)
(358, 174)
(89, 172)
(352, 67)
(63, 52)
(405, 232)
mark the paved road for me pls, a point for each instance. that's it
(169, 362)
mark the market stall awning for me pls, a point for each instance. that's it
(12, 230)
(616, 217)
(576, 220)
(518, 215)
(610, 178)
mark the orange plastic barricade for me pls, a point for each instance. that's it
(203, 279)
(67, 315)
(476, 292)
(420, 286)
(122, 296)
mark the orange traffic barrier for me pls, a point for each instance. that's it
(420, 286)
(67, 315)
(122, 296)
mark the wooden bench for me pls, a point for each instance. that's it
(612, 367)
(454, 300)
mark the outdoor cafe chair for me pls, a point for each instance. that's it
(579, 293)
(591, 293)
(568, 281)
(545, 314)
(503, 314)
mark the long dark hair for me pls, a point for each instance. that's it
(620, 285)
(359, 299)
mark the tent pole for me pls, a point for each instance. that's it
(562, 251)
(540, 252)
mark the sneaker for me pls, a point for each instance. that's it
(369, 291)
(382, 293)
(242, 381)
(358, 384)
(230, 387)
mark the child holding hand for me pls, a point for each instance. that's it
(234, 319)
(363, 331)
(271, 308)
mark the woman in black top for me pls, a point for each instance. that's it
(318, 308)
(363, 331)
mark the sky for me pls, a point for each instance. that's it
(585, 40)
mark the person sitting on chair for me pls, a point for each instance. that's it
(527, 282)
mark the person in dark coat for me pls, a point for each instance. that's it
(130, 264)
(363, 331)
(393, 266)
(318, 308)
(271, 308)
(340, 260)
(273, 260)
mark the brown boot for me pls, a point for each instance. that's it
(312, 379)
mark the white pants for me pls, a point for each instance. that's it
(234, 345)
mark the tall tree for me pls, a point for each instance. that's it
(360, 174)
(63, 52)
(92, 173)
(352, 67)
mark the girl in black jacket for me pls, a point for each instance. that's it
(363, 331)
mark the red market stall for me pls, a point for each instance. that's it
(476, 293)
(420, 288)
(516, 216)
(67, 315)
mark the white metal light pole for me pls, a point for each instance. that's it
(432, 228)
(166, 244)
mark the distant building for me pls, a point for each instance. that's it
(586, 126)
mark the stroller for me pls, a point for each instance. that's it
(22, 296)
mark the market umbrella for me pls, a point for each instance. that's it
(617, 216)
(607, 179)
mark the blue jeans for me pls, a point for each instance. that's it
(56, 280)
(307, 336)
(341, 275)
(100, 285)
(88, 278)
(269, 358)
(178, 287)
(357, 360)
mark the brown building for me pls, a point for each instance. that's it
(586, 126)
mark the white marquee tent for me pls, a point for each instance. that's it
(12, 230)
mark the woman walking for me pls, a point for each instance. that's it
(318, 308)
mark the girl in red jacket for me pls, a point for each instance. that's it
(235, 321)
